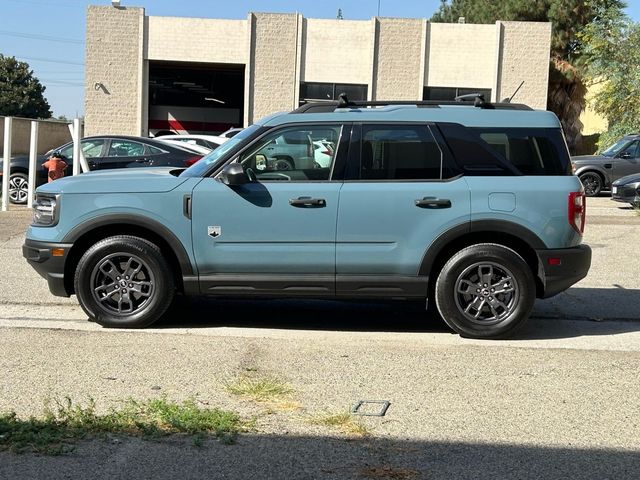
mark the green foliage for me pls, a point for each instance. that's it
(612, 57)
(21, 94)
(56, 431)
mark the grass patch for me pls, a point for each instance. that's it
(260, 389)
(67, 422)
(343, 422)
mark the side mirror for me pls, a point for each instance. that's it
(625, 155)
(233, 174)
(261, 162)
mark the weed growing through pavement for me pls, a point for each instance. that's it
(344, 422)
(56, 431)
(259, 389)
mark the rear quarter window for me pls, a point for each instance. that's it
(508, 151)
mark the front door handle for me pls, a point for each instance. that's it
(308, 202)
(433, 202)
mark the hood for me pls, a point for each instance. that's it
(126, 180)
(634, 178)
(589, 158)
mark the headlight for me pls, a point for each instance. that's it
(45, 211)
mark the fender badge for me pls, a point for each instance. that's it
(214, 231)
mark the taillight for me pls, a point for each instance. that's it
(190, 161)
(577, 211)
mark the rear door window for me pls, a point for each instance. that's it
(401, 152)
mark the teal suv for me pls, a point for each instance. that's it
(469, 205)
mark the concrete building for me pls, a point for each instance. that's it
(145, 74)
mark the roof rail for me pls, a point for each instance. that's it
(464, 100)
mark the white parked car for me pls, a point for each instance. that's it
(209, 141)
(194, 147)
(231, 132)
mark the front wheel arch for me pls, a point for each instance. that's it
(83, 242)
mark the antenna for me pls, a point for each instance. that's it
(508, 99)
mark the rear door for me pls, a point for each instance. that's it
(120, 154)
(401, 191)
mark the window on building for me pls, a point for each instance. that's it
(314, 91)
(393, 152)
(447, 94)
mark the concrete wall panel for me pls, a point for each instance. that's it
(197, 40)
(113, 77)
(461, 55)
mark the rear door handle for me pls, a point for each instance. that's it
(433, 202)
(308, 202)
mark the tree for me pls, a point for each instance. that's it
(21, 94)
(612, 56)
(569, 18)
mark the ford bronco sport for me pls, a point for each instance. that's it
(470, 205)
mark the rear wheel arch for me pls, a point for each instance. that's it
(511, 235)
(86, 235)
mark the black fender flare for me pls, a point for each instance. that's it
(477, 226)
(606, 177)
(137, 221)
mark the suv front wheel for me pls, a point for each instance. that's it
(125, 282)
(485, 291)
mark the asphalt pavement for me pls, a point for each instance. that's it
(558, 401)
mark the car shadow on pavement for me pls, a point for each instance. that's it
(326, 457)
(299, 314)
(575, 313)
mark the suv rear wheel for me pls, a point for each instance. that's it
(592, 183)
(125, 282)
(485, 291)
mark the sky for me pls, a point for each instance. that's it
(49, 34)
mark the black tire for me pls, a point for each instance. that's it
(592, 183)
(467, 287)
(284, 163)
(128, 264)
(18, 188)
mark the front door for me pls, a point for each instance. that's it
(276, 234)
(399, 195)
(627, 162)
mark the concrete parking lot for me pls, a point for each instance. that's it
(558, 401)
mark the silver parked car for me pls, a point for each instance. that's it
(598, 172)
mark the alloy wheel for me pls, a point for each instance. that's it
(122, 284)
(486, 293)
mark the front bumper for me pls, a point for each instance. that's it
(51, 268)
(626, 194)
(560, 268)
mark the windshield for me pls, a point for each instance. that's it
(613, 150)
(202, 165)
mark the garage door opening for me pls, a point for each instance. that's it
(195, 97)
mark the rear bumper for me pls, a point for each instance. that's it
(51, 268)
(561, 268)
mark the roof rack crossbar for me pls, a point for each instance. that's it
(344, 102)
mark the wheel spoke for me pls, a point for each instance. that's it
(485, 278)
(108, 295)
(138, 288)
(470, 287)
(505, 285)
(112, 273)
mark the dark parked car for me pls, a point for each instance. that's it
(627, 190)
(102, 152)
(598, 172)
